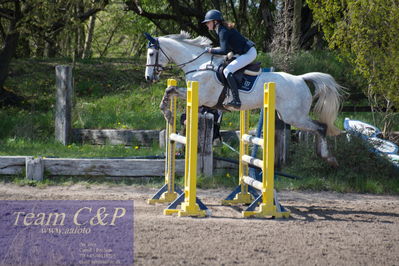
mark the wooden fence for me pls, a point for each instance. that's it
(37, 168)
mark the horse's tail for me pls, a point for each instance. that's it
(329, 98)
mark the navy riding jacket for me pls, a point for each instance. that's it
(231, 40)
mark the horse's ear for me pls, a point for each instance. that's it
(150, 38)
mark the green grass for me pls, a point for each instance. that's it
(360, 170)
(328, 62)
(50, 148)
(26, 124)
(111, 93)
(137, 109)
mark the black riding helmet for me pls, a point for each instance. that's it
(213, 14)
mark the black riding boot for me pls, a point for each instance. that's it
(236, 103)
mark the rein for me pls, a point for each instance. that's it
(209, 67)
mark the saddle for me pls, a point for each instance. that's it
(253, 70)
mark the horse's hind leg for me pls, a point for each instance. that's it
(323, 152)
(321, 141)
(165, 103)
(322, 146)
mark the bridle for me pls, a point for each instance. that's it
(158, 68)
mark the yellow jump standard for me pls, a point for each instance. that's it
(167, 193)
(265, 204)
(190, 205)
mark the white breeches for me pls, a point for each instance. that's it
(241, 61)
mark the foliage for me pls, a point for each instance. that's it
(59, 28)
(365, 31)
(119, 33)
(45, 26)
(328, 62)
(171, 16)
(36, 25)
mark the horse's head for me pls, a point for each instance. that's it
(177, 48)
(156, 59)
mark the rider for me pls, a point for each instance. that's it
(230, 40)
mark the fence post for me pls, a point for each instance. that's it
(63, 106)
(34, 168)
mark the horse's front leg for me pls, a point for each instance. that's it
(165, 103)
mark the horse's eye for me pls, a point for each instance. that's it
(151, 54)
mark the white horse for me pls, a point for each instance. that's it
(293, 97)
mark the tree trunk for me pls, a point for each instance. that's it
(2, 33)
(308, 29)
(267, 26)
(10, 47)
(111, 36)
(80, 39)
(238, 25)
(10, 44)
(50, 50)
(89, 38)
(296, 25)
(242, 14)
(39, 48)
(6, 54)
(25, 50)
(287, 24)
(80, 31)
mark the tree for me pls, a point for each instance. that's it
(293, 31)
(89, 37)
(187, 14)
(13, 14)
(36, 18)
(119, 32)
(252, 18)
(296, 25)
(265, 16)
(365, 32)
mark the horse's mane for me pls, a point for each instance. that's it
(186, 37)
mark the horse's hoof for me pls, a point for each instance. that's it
(332, 161)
